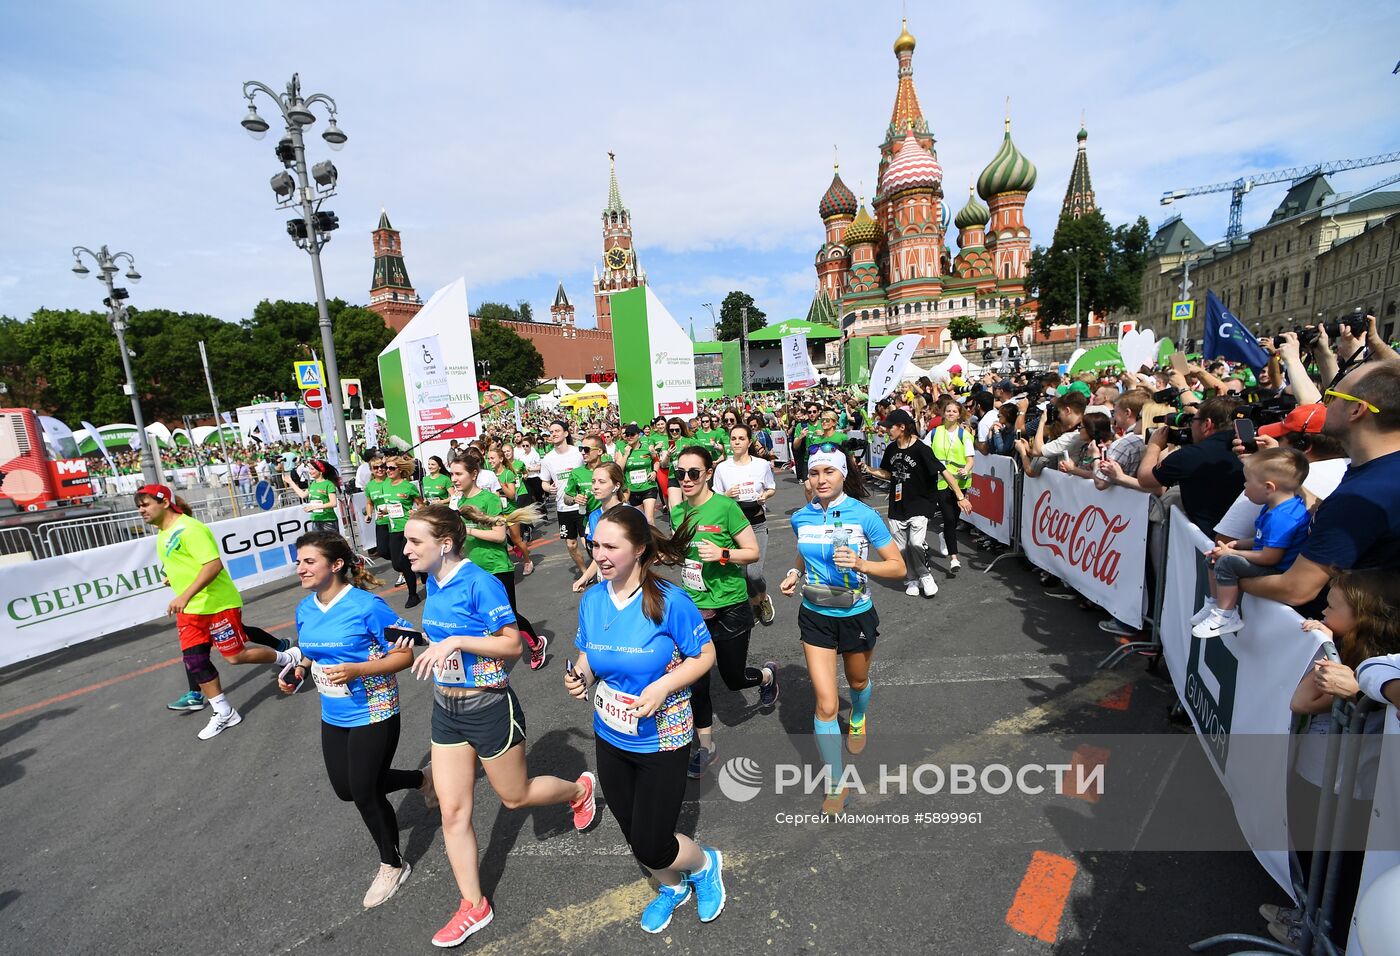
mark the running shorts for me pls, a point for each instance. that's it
(491, 722)
(223, 629)
(571, 525)
(844, 635)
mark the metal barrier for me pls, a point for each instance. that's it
(82, 534)
(1157, 564)
(18, 541)
(1318, 888)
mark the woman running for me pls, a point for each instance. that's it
(642, 644)
(678, 439)
(639, 468)
(485, 541)
(437, 486)
(513, 496)
(376, 505)
(322, 496)
(835, 535)
(607, 492)
(472, 635)
(952, 444)
(346, 637)
(750, 482)
(400, 494)
(713, 577)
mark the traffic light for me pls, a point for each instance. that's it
(351, 401)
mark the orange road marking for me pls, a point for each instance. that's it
(1086, 758)
(1119, 699)
(1040, 900)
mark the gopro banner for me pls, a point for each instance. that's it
(1096, 541)
(993, 496)
(654, 358)
(798, 372)
(59, 602)
(1238, 684)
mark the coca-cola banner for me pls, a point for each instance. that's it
(993, 496)
(1096, 541)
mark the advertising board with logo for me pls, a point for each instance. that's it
(1094, 540)
(993, 496)
(62, 601)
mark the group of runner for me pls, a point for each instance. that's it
(644, 647)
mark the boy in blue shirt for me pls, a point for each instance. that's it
(1272, 478)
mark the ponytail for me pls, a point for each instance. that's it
(657, 549)
(335, 548)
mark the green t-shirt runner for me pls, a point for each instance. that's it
(437, 487)
(709, 583)
(321, 492)
(716, 440)
(580, 482)
(376, 491)
(400, 496)
(183, 550)
(639, 468)
(681, 445)
(489, 556)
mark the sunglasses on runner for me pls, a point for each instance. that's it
(674, 430)
(826, 446)
(1333, 393)
(692, 474)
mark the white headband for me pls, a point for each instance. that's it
(829, 459)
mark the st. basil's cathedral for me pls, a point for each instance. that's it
(895, 271)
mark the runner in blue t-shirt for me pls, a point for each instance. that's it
(341, 631)
(836, 535)
(642, 643)
(471, 629)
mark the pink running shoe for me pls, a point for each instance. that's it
(586, 807)
(466, 921)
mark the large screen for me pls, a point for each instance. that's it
(709, 371)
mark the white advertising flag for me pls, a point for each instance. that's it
(798, 372)
(890, 368)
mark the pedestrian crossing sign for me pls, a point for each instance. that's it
(309, 375)
(1184, 311)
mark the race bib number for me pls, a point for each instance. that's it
(692, 575)
(639, 476)
(748, 491)
(454, 502)
(324, 686)
(614, 709)
(394, 509)
(451, 672)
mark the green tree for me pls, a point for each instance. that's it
(965, 328)
(516, 364)
(524, 310)
(73, 369)
(360, 335)
(1107, 260)
(497, 312)
(1013, 320)
(731, 313)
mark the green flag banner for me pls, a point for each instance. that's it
(654, 358)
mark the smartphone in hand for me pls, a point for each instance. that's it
(1244, 431)
(395, 634)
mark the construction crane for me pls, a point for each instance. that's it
(1244, 184)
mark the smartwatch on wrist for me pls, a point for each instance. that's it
(723, 555)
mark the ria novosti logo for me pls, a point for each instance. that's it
(740, 779)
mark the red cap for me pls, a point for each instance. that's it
(1303, 419)
(160, 493)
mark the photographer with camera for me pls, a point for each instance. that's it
(1210, 475)
(1060, 422)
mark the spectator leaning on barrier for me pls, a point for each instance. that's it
(1208, 471)
(1122, 458)
(1358, 526)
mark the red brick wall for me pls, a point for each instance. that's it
(572, 357)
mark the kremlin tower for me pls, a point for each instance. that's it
(391, 295)
(1079, 195)
(891, 270)
(620, 270)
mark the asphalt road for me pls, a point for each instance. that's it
(126, 834)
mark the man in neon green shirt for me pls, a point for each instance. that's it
(207, 607)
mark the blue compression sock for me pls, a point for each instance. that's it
(829, 746)
(860, 700)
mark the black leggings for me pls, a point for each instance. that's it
(381, 541)
(401, 563)
(536, 489)
(358, 763)
(507, 579)
(948, 508)
(730, 631)
(644, 792)
(199, 669)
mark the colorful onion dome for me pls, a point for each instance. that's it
(913, 167)
(973, 214)
(863, 229)
(839, 200)
(1083, 134)
(905, 40)
(1009, 171)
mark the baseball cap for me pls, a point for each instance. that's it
(1005, 386)
(1080, 387)
(898, 417)
(1303, 419)
(955, 369)
(631, 430)
(160, 493)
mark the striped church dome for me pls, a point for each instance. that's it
(838, 200)
(913, 167)
(973, 214)
(1009, 171)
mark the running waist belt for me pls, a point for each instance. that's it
(826, 595)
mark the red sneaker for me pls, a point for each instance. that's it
(537, 650)
(586, 807)
(467, 920)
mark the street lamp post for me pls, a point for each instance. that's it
(1075, 250)
(312, 231)
(107, 269)
(1186, 260)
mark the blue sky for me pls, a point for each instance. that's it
(484, 130)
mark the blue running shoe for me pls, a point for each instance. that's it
(193, 700)
(657, 915)
(709, 885)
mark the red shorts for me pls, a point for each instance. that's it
(223, 629)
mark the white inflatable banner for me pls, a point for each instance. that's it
(1095, 541)
(59, 602)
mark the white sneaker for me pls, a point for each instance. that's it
(1204, 612)
(386, 883)
(218, 724)
(911, 588)
(399, 581)
(929, 585)
(1220, 622)
(942, 545)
